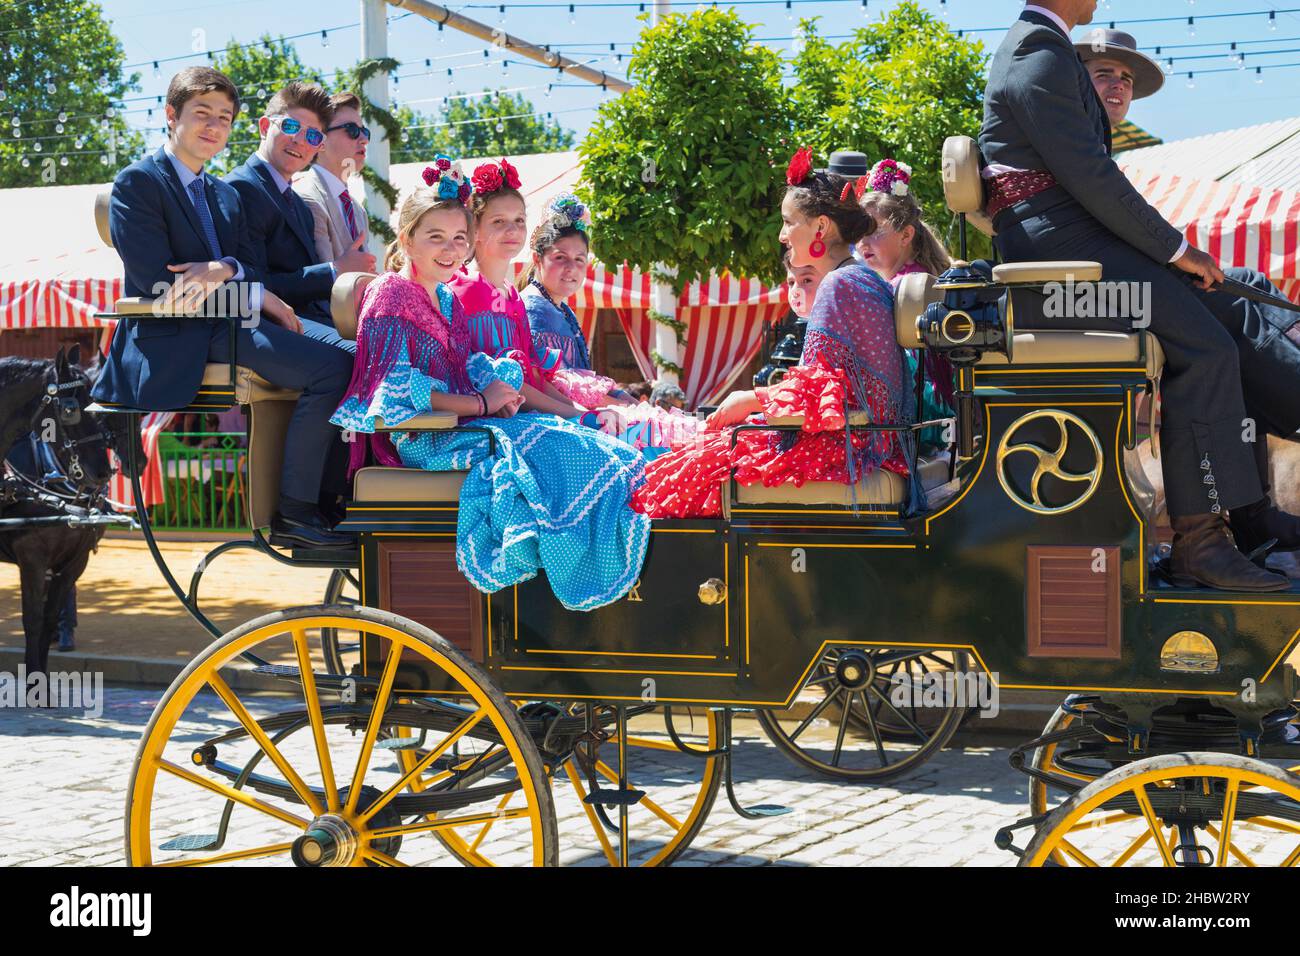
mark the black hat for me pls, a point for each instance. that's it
(846, 162)
(1118, 45)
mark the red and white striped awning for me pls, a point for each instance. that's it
(1238, 224)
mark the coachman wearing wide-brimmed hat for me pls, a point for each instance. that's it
(1056, 193)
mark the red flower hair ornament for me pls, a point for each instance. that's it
(489, 177)
(800, 167)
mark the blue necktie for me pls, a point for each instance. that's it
(205, 216)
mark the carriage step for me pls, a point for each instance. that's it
(399, 743)
(282, 671)
(614, 798)
(198, 841)
(768, 810)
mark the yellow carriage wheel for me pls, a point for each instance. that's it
(677, 790)
(1177, 809)
(1044, 759)
(306, 776)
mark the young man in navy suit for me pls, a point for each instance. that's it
(279, 223)
(182, 236)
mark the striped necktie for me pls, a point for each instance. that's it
(348, 214)
(205, 216)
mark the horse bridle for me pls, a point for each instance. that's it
(60, 396)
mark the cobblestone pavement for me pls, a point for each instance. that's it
(66, 777)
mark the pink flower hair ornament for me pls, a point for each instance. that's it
(890, 176)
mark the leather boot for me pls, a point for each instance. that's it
(1262, 522)
(1204, 556)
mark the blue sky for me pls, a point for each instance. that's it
(1219, 100)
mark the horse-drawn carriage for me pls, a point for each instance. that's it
(1032, 566)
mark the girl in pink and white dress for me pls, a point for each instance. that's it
(560, 247)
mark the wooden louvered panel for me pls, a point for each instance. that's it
(420, 580)
(1073, 608)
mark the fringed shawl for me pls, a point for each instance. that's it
(399, 323)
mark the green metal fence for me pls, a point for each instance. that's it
(204, 476)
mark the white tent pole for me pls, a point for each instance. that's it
(661, 295)
(374, 45)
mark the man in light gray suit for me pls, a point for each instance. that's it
(1055, 193)
(339, 220)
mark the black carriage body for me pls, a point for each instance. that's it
(1043, 599)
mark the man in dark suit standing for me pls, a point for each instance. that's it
(280, 225)
(1055, 193)
(182, 236)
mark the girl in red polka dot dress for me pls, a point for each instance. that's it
(851, 360)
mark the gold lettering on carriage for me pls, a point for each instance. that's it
(634, 593)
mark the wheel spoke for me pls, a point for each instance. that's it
(253, 854)
(231, 793)
(884, 701)
(1229, 811)
(317, 722)
(1166, 853)
(874, 727)
(372, 728)
(606, 847)
(816, 711)
(1104, 821)
(447, 823)
(844, 725)
(1232, 847)
(649, 804)
(1133, 847)
(255, 731)
(1075, 852)
(383, 800)
(375, 856)
(501, 805)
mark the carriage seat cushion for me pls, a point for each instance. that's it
(249, 386)
(429, 421)
(1072, 347)
(1011, 273)
(880, 487)
(378, 483)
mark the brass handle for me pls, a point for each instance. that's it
(713, 591)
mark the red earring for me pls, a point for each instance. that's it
(818, 248)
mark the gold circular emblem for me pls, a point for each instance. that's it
(1049, 462)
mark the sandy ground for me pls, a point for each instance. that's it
(126, 608)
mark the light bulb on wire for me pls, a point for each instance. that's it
(1272, 20)
(1191, 26)
(573, 16)
(324, 38)
(1259, 75)
(1191, 81)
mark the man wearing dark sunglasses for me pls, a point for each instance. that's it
(339, 219)
(280, 226)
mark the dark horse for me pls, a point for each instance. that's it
(49, 399)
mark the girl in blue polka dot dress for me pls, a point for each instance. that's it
(552, 495)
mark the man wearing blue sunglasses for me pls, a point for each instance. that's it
(339, 219)
(279, 224)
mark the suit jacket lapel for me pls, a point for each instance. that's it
(291, 210)
(173, 181)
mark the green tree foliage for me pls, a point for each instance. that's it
(898, 88)
(258, 70)
(68, 45)
(504, 124)
(686, 169)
